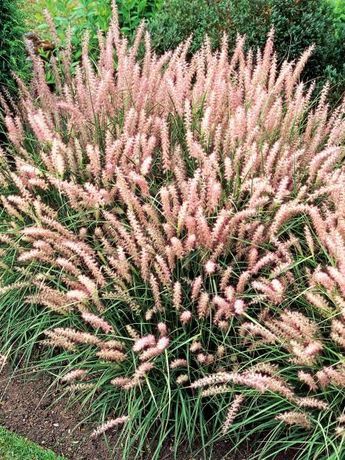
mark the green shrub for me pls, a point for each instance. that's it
(297, 24)
(12, 50)
(89, 15)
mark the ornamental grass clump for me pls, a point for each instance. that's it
(181, 224)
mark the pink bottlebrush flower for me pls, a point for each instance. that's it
(186, 317)
(212, 379)
(149, 314)
(224, 281)
(232, 412)
(177, 247)
(224, 308)
(178, 363)
(215, 390)
(210, 267)
(323, 279)
(229, 292)
(162, 344)
(80, 387)
(121, 382)
(318, 301)
(132, 332)
(177, 296)
(77, 336)
(110, 344)
(108, 425)
(97, 322)
(203, 307)
(77, 295)
(201, 358)
(146, 166)
(239, 307)
(308, 379)
(312, 403)
(144, 342)
(111, 355)
(57, 340)
(140, 181)
(214, 194)
(163, 271)
(223, 325)
(143, 369)
(162, 329)
(71, 376)
(195, 346)
(15, 130)
(156, 292)
(242, 282)
(181, 379)
(196, 287)
(295, 418)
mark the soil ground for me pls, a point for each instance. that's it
(27, 408)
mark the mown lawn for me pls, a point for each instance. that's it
(13, 447)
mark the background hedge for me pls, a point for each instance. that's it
(12, 50)
(297, 24)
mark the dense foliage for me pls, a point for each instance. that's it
(297, 24)
(91, 16)
(173, 227)
(12, 52)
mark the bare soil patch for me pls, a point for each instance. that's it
(28, 408)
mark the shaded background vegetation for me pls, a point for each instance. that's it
(297, 25)
(12, 52)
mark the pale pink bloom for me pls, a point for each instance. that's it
(308, 379)
(76, 374)
(196, 287)
(181, 379)
(295, 418)
(108, 425)
(162, 344)
(210, 267)
(146, 166)
(229, 292)
(178, 363)
(312, 403)
(111, 355)
(203, 307)
(144, 342)
(162, 328)
(186, 317)
(239, 307)
(3, 361)
(177, 247)
(97, 322)
(232, 412)
(195, 346)
(77, 295)
(177, 296)
(190, 242)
